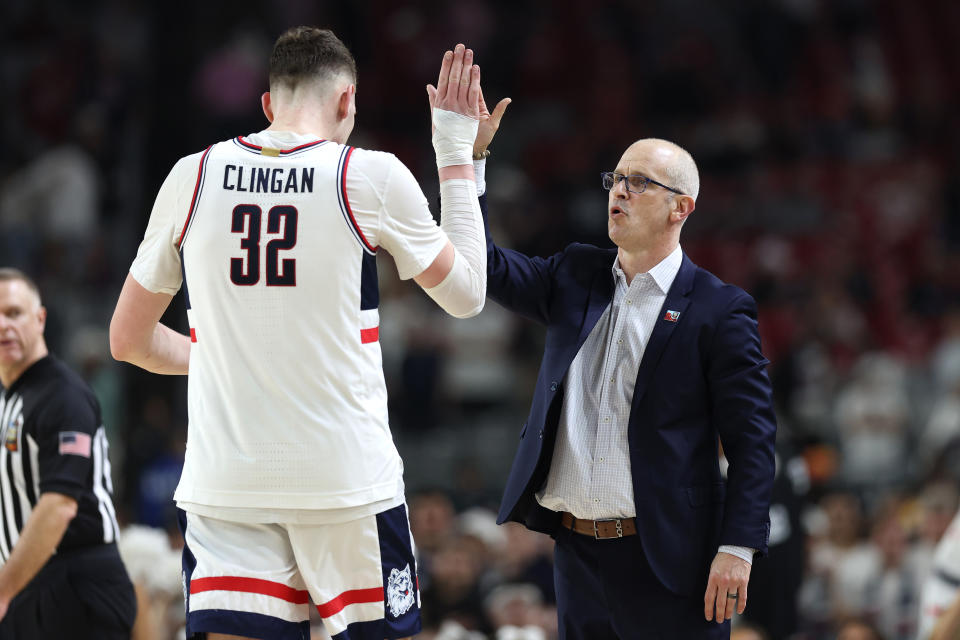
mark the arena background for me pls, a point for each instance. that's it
(827, 140)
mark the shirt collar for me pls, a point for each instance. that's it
(663, 273)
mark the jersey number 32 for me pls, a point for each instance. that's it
(281, 219)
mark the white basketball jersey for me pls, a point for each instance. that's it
(277, 244)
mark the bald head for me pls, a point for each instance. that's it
(672, 163)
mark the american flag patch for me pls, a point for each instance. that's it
(75, 443)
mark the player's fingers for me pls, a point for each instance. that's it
(465, 77)
(444, 78)
(742, 600)
(456, 68)
(473, 95)
(431, 97)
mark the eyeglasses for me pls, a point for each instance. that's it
(636, 183)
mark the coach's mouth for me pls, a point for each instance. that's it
(617, 212)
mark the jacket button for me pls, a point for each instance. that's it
(541, 434)
(553, 386)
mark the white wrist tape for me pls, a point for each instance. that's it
(453, 136)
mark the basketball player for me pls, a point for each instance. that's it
(292, 487)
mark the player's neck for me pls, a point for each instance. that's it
(301, 126)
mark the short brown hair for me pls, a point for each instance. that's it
(307, 53)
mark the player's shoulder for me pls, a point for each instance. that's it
(371, 159)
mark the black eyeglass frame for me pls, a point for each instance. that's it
(646, 181)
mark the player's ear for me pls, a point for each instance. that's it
(42, 318)
(346, 104)
(267, 108)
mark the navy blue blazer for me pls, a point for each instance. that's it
(702, 377)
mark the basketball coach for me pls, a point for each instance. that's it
(650, 365)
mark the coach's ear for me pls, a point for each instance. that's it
(265, 103)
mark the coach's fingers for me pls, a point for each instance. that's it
(498, 112)
(742, 599)
(444, 79)
(482, 104)
(709, 599)
(721, 603)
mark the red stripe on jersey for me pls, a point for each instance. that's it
(196, 190)
(346, 201)
(302, 146)
(250, 585)
(369, 335)
(193, 334)
(357, 596)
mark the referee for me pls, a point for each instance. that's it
(60, 573)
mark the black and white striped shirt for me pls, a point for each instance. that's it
(52, 440)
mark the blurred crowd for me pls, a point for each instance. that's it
(828, 148)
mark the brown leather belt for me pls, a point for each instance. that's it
(600, 529)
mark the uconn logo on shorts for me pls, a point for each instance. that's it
(400, 591)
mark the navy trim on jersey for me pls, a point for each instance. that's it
(183, 272)
(258, 149)
(369, 284)
(197, 192)
(345, 202)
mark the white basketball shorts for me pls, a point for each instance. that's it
(258, 580)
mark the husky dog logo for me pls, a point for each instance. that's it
(400, 591)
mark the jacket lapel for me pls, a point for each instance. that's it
(677, 301)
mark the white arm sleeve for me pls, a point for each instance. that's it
(463, 291)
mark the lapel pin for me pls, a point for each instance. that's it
(671, 316)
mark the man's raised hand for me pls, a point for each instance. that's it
(458, 85)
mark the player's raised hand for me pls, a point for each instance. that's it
(458, 85)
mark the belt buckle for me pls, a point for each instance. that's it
(596, 530)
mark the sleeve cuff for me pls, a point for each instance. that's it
(744, 553)
(480, 171)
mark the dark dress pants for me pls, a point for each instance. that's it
(607, 591)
